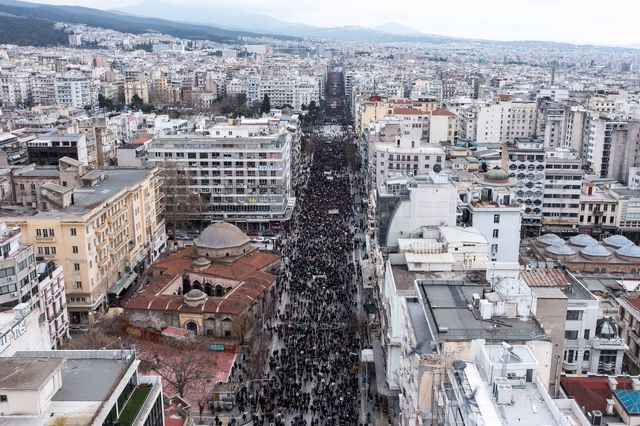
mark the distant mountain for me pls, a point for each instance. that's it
(219, 16)
(396, 28)
(40, 17)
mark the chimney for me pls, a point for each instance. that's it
(613, 383)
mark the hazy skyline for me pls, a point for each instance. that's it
(573, 21)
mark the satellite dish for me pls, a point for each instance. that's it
(437, 168)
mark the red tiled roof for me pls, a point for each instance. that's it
(248, 271)
(545, 278)
(633, 301)
(141, 140)
(442, 111)
(408, 111)
(506, 97)
(592, 392)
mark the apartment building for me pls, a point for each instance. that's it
(53, 301)
(599, 144)
(525, 160)
(242, 173)
(49, 149)
(598, 210)
(628, 320)
(111, 228)
(74, 90)
(550, 123)
(18, 277)
(492, 209)
(562, 188)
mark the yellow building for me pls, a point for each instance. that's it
(110, 232)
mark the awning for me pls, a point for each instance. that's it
(122, 284)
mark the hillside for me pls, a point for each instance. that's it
(39, 19)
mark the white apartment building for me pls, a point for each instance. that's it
(494, 212)
(22, 330)
(505, 121)
(562, 188)
(18, 279)
(15, 87)
(592, 343)
(73, 90)
(243, 173)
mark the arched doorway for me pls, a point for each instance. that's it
(208, 289)
(192, 326)
(197, 285)
(186, 284)
(219, 291)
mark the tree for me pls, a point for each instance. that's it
(265, 107)
(181, 204)
(138, 104)
(105, 103)
(180, 365)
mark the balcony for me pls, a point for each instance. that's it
(569, 366)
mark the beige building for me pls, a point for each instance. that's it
(111, 229)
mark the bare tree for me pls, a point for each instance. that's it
(182, 205)
(179, 365)
(241, 327)
(258, 356)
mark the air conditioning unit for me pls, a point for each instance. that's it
(504, 394)
(596, 418)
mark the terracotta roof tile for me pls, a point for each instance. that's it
(441, 111)
(408, 111)
(545, 278)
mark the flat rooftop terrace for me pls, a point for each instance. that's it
(448, 313)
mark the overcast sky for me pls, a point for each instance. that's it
(611, 22)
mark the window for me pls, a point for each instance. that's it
(76, 266)
(73, 232)
(7, 272)
(569, 355)
(496, 218)
(78, 284)
(3, 398)
(586, 356)
(574, 315)
(571, 334)
(587, 332)
(495, 233)
(494, 248)
(74, 249)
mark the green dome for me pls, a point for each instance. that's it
(496, 175)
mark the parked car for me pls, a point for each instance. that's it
(259, 240)
(252, 233)
(268, 233)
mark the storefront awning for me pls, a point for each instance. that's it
(122, 284)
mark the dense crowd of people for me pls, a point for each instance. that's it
(311, 376)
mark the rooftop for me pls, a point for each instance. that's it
(447, 307)
(592, 392)
(26, 374)
(88, 198)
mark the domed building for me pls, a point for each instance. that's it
(222, 240)
(496, 176)
(216, 288)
